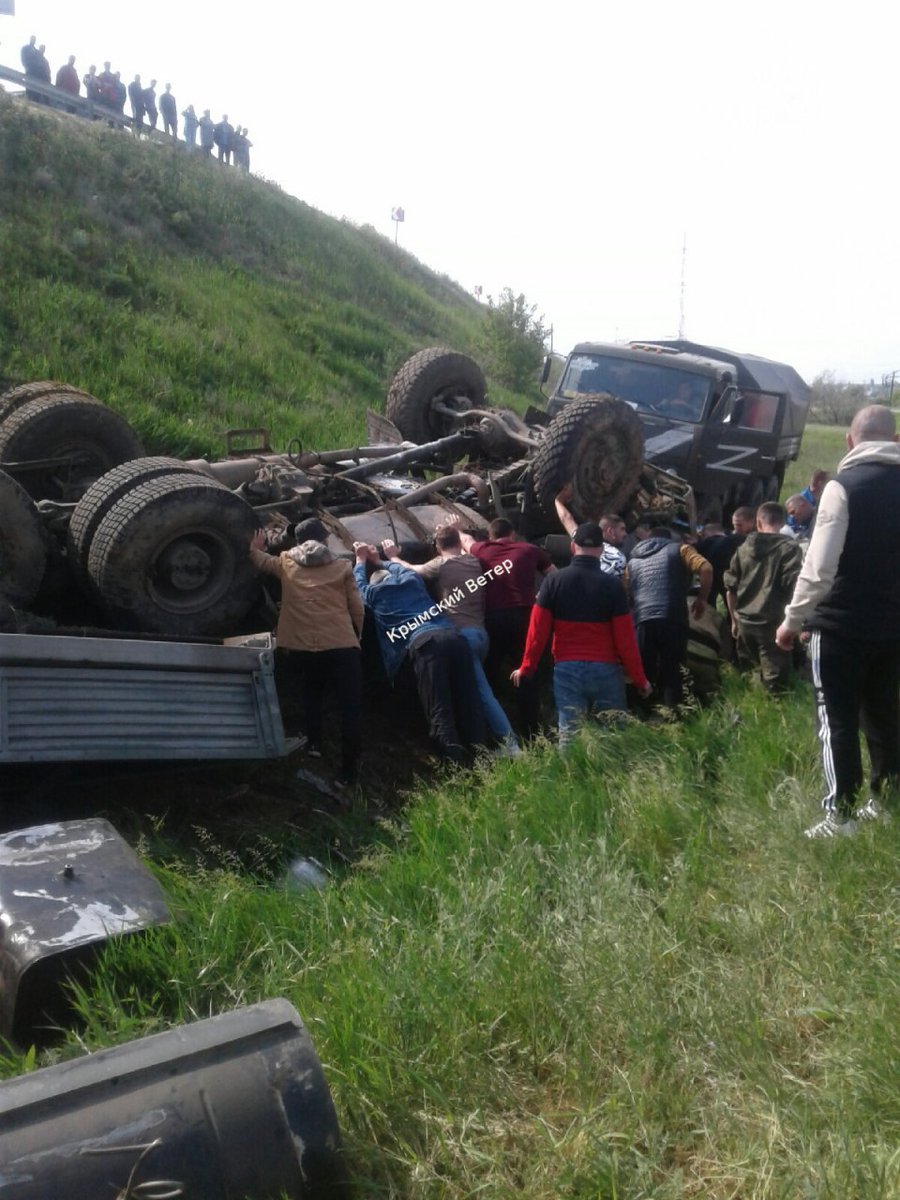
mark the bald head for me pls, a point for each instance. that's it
(875, 423)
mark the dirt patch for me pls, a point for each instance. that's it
(242, 812)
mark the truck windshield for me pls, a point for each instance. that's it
(668, 391)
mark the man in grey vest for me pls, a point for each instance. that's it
(659, 573)
(848, 594)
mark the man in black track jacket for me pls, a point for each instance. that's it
(848, 593)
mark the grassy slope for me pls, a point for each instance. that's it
(195, 299)
(624, 974)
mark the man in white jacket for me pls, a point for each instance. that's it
(848, 594)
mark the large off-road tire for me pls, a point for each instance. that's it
(92, 437)
(21, 394)
(102, 495)
(433, 376)
(596, 444)
(171, 556)
(23, 544)
(773, 488)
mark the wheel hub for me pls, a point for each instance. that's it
(185, 566)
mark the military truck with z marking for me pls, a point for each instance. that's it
(726, 423)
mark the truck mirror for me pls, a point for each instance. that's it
(545, 372)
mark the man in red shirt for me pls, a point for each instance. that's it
(509, 599)
(586, 611)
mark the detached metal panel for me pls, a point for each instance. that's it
(236, 1105)
(71, 698)
(65, 888)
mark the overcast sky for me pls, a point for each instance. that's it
(568, 151)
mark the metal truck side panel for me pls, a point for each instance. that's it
(71, 698)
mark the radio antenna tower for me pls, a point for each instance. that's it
(681, 305)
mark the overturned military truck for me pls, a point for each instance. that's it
(158, 546)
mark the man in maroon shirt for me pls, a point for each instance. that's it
(509, 598)
(67, 77)
(586, 610)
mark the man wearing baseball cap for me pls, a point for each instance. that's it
(586, 611)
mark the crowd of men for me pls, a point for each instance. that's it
(106, 88)
(641, 611)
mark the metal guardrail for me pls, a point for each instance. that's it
(62, 101)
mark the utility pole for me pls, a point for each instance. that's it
(681, 306)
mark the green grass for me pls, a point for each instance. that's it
(195, 300)
(823, 446)
(619, 974)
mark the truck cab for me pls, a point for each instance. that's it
(726, 423)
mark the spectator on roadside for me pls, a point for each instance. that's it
(848, 593)
(67, 78)
(586, 610)
(92, 84)
(658, 576)
(456, 573)
(150, 104)
(207, 133)
(189, 127)
(31, 64)
(509, 598)
(242, 146)
(120, 91)
(106, 86)
(42, 66)
(222, 136)
(29, 56)
(136, 96)
(410, 626)
(759, 583)
(169, 112)
(320, 623)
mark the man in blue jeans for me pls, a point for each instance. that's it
(586, 611)
(411, 626)
(461, 586)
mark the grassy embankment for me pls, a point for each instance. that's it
(619, 975)
(624, 974)
(194, 299)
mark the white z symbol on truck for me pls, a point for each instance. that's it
(739, 453)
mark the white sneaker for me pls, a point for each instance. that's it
(871, 811)
(831, 826)
(507, 750)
